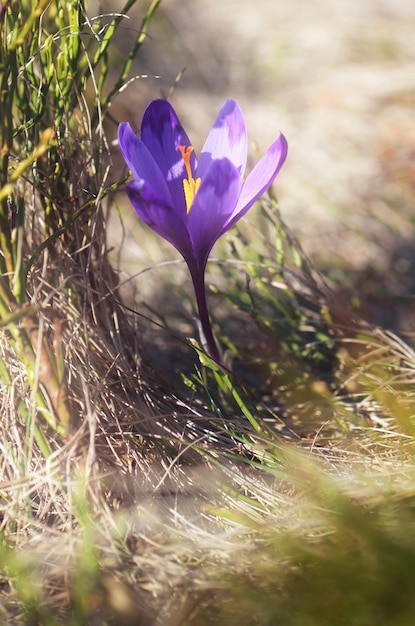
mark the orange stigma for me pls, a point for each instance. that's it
(190, 185)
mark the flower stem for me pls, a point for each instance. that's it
(198, 278)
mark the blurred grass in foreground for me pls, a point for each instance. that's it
(278, 489)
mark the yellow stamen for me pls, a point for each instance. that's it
(190, 185)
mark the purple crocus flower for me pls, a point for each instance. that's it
(191, 202)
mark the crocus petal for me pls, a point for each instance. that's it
(213, 204)
(140, 161)
(162, 133)
(260, 178)
(159, 216)
(227, 138)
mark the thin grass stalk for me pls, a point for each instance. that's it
(129, 60)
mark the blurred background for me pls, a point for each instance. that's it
(338, 79)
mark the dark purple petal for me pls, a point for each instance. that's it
(162, 133)
(227, 139)
(160, 217)
(140, 161)
(214, 203)
(260, 178)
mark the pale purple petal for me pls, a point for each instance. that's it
(212, 206)
(140, 161)
(162, 133)
(260, 178)
(159, 216)
(227, 139)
